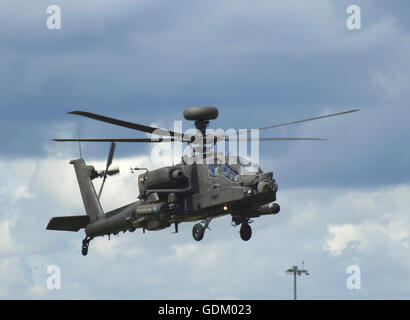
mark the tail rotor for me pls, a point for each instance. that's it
(107, 172)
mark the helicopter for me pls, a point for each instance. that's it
(201, 187)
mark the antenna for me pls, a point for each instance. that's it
(79, 142)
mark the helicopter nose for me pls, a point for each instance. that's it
(264, 187)
(268, 184)
(274, 186)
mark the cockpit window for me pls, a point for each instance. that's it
(247, 168)
(214, 170)
(230, 173)
(243, 165)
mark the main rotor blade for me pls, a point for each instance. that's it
(280, 139)
(170, 140)
(298, 121)
(119, 140)
(310, 119)
(126, 124)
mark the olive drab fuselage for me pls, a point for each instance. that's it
(190, 192)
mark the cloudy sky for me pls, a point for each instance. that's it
(343, 201)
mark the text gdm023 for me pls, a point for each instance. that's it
(233, 309)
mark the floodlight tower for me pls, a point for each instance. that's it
(296, 271)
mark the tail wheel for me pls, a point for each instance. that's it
(84, 249)
(245, 232)
(198, 232)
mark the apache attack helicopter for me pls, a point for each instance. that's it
(192, 190)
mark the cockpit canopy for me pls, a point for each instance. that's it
(227, 165)
(248, 168)
(243, 166)
(226, 170)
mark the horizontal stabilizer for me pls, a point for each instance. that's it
(71, 223)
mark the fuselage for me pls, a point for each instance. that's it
(189, 192)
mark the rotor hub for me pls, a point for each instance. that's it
(201, 125)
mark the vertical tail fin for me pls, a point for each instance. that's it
(84, 176)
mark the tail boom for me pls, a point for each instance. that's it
(84, 177)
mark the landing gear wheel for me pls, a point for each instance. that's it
(84, 249)
(245, 232)
(198, 232)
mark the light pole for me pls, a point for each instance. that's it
(296, 271)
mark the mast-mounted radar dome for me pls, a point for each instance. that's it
(201, 113)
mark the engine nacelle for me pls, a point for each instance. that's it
(163, 178)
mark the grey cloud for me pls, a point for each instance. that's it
(311, 227)
(261, 63)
